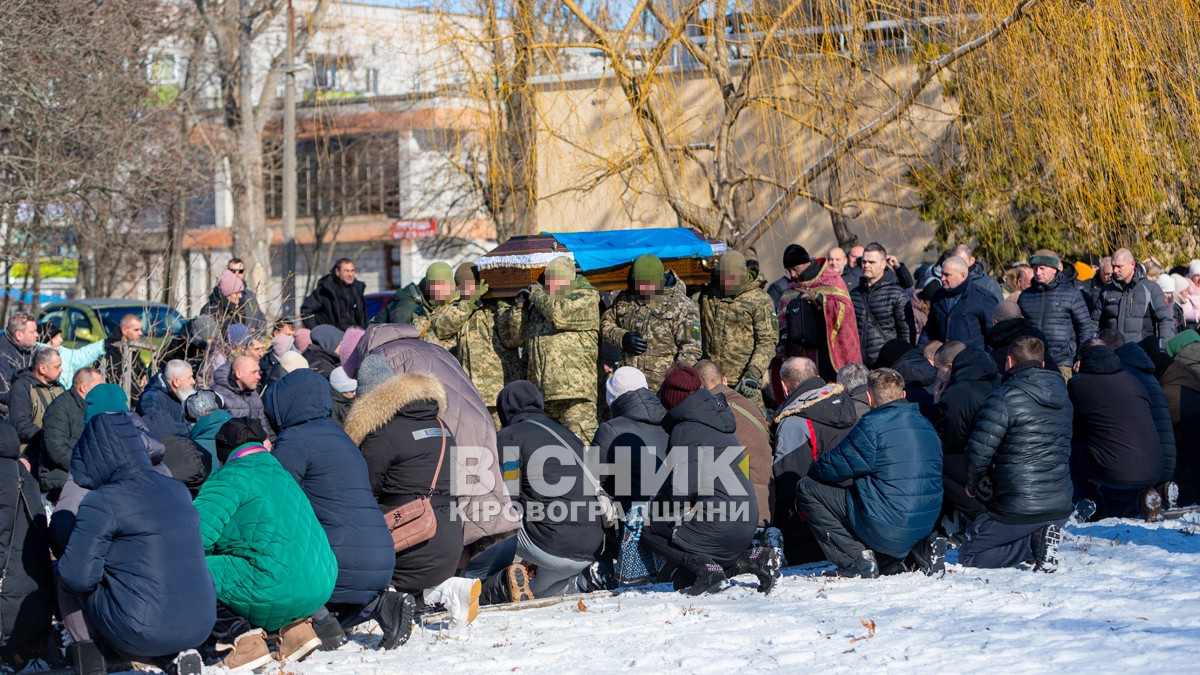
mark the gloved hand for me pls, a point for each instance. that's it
(634, 343)
(481, 289)
(536, 285)
(522, 297)
(748, 386)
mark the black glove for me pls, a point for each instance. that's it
(634, 343)
(748, 387)
(522, 297)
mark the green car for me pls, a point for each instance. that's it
(86, 321)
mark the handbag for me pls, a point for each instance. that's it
(636, 562)
(414, 522)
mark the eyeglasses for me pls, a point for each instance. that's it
(238, 270)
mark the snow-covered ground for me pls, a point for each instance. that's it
(1126, 596)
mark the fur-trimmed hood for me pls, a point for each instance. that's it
(830, 405)
(808, 399)
(373, 410)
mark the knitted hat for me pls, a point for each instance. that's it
(1044, 259)
(795, 254)
(303, 339)
(200, 403)
(237, 432)
(1193, 268)
(229, 283)
(1166, 283)
(350, 341)
(1181, 284)
(372, 372)
(1084, 271)
(341, 382)
(238, 335)
(105, 398)
(680, 384)
(293, 361)
(439, 271)
(624, 380)
(204, 327)
(561, 267)
(891, 352)
(464, 274)
(1177, 343)
(648, 268)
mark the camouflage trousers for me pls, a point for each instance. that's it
(576, 414)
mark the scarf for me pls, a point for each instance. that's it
(841, 326)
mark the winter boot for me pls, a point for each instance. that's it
(929, 555)
(1150, 503)
(1044, 544)
(86, 659)
(763, 562)
(186, 663)
(599, 576)
(297, 640)
(510, 584)
(250, 652)
(866, 567)
(329, 630)
(394, 613)
(1170, 494)
(1084, 510)
(708, 575)
(459, 596)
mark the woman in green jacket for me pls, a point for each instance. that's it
(266, 551)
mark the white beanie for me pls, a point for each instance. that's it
(1166, 283)
(1194, 268)
(624, 380)
(341, 382)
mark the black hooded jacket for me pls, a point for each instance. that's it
(636, 424)
(335, 303)
(973, 378)
(1022, 441)
(703, 426)
(28, 601)
(1114, 423)
(565, 525)
(1001, 336)
(920, 379)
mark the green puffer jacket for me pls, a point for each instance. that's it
(265, 549)
(562, 341)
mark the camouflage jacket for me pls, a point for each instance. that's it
(423, 319)
(561, 337)
(478, 331)
(670, 323)
(740, 332)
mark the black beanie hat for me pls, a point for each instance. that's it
(891, 352)
(795, 254)
(236, 433)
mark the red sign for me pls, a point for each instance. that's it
(413, 229)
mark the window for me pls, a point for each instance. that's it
(164, 69)
(372, 81)
(78, 322)
(157, 321)
(328, 70)
(338, 176)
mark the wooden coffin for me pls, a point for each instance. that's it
(506, 281)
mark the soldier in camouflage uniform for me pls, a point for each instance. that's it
(478, 328)
(439, 279)
(653, 322)
(559, 327)
(738, 325)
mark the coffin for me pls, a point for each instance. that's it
(603, 257)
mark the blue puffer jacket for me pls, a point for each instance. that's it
(964, 313)
(332, 472)
(895, 459)
(135, 554)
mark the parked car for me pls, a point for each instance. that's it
(375, 302)
(85, 321)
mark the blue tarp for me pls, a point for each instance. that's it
(598, 250)
(27, 297)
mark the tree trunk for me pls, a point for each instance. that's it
(522, 132)
(841, 229)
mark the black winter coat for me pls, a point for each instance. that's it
(920, 379)
(631, 439)
(333, 473)
(880, 310)
(704, 425)
(562, 525)
(336, 304)
(973, 378)
(1136, 310)
(1001, 336)
(29, 396)
(188, 462)
(1114, 425)
(63, 422)
(1059, 311)
(963, 314)
(396, 426)
(1022, 441)
(1137, 363)
(320, 361)
(980, 277)
(13, 359)
(27, 602)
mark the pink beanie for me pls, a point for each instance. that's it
(303, 338)
(350, 341)
(229, 283)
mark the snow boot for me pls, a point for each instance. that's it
(1150, 503)
(459, 596)
(510, 584)
(866, 567)
(329, 630)
(702, 575)
(297, 640)
(250, 652)
(86, 659)
(186, 663)
(929, 555)
(1170, 494)
(394, 613)
(763, 562)
(1044, 544)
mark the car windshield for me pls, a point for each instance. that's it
(157, 321)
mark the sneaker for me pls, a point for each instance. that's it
(1170, 493)
(763, 562)
(866, 567)
(250, 652)
(297, 640)
(329, 630)
(1045, 548)
(518, 583)
(85, 657)
(1084, 510)
(1150, 503)
(929, 555)
(710, 576)
(459, 596)
(186, 663)
(394, 613)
